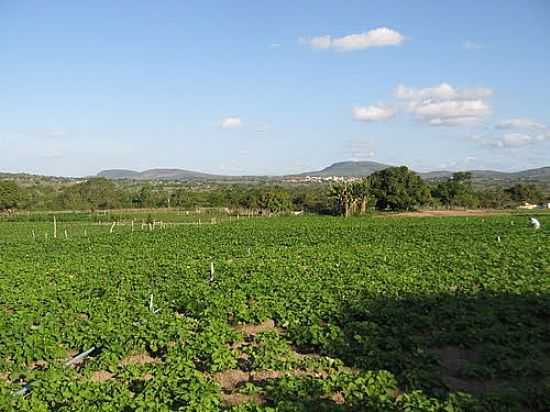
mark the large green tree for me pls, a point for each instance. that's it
(398, 188)
(525, 193)
(456, 191)
(95, 193)
(10, 194)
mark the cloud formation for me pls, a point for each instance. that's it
(522, 123)
(232, 122)
(379, 37)
(372, 113)
(521, 132)
(444, 105)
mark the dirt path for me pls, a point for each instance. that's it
(452, 212)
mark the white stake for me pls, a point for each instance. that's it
(152, 306)
(54, 227)
(112, 227)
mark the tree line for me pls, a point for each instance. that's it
(395, 188)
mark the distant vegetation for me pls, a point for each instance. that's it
(394, 188)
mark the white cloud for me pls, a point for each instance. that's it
(514, 140)
(471, 45)
(372, 113)
(379, 37)
(522, 123)
(443, 91)
(232, 122)
(523, 132)
(444, 105)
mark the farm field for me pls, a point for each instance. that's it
(289, 313)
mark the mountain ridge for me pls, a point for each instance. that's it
(338, 169)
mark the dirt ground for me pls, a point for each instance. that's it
(453, 212)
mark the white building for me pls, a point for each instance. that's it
(527, 205)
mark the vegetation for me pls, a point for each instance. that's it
(9, 195)
(394, 188)
(296, 313)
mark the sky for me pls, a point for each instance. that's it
(273, 87)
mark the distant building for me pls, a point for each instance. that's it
(321, 179)
(527, 205)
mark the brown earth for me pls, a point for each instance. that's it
(233, 399)
(453, 359)
(101, 376)
(252, 330)
(450, 212)
(138, 359)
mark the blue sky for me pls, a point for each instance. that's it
(264, 87)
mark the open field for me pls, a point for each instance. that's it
(308, 313)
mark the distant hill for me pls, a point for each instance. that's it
(541, 174)
(155, 174)
(346, 169)
(349, 169)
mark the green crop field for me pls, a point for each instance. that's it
(290, 314)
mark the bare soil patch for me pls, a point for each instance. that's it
(38, 365)
(450, 212)
(337, 398)
(231, 378)
(233, 399)
(453, 359)
(139, 359)
(147, 377)
(252, 330)
(101, 376)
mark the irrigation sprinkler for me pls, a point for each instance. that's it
(79, 358)
(26, 389)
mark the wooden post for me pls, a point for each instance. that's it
(54, 227)
(132, 225)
